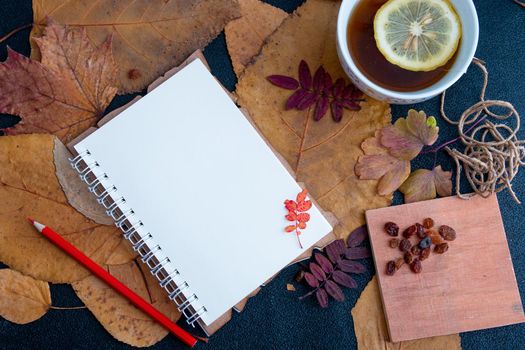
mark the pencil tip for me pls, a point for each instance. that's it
(31, 220)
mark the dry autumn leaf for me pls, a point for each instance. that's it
(22, 299)
(149, 36)
(371, 329)
(30, 188)
(117, 315)
(406, 138)
(65, 93)
(424, 184)
(245, 36)
(322, 154)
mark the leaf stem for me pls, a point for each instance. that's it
(67, 307)
(297, 234)
(336, 266)
(14, 31)
(443, 145)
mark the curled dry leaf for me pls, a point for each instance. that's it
(321, 155)
(75, 189)
(29, 188)
(378, 164)
(245, 35)
(117, 315)
(64, 94)
(149, 37)
(22, 298)
(371, 329)
(424, 184)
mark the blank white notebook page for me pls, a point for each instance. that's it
(205, 185)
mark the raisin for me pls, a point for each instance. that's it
(405, 245)
(410, 231)
(416, 266)
(394, 243)
(415, 250)
(391, 268)
(399, 262)
(435, 237)
(425, 253)
(425, 243)
(447, 232)
(428, 223)
(392, 229)
(420, 230)
(408, 258)
(441, 248)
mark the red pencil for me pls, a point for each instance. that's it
(114, 283)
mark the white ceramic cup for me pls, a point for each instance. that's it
(467, 48)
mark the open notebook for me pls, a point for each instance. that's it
(197, 191)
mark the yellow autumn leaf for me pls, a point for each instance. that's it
(149, 36)
(246, 35)
(22, 299)
(117, 315)
(29, 188)
(322, 154)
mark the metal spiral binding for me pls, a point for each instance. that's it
(133, 230)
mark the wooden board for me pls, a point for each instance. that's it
(470, 287)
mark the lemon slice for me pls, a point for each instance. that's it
(417, 35)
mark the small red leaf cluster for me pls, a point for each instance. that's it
(330, 272)
(297, 212)
(319, 90)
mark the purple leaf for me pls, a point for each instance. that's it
(317, 271)
(335, 249)
(294, 99)
(357, 236)
(325, 264)
(357, 253)
(283, 81)
(328, 82)
(311, 280)
(344, 279)
(337, 111)
(309, 99)
(350, 91)
(305, 77)
(339, 86)
(322, 297)
(319, 79)
(350, 104)
(351, 266)
(334, 290)
(321, 108)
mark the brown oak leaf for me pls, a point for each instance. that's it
(22, 299)
(29, 188)
(245, 36)
(323, 153)
(65, 93)
(117, 315)
(149, 36)
(424, 184)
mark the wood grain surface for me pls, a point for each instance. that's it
(470, 287)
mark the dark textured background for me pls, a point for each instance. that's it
(275, 319)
